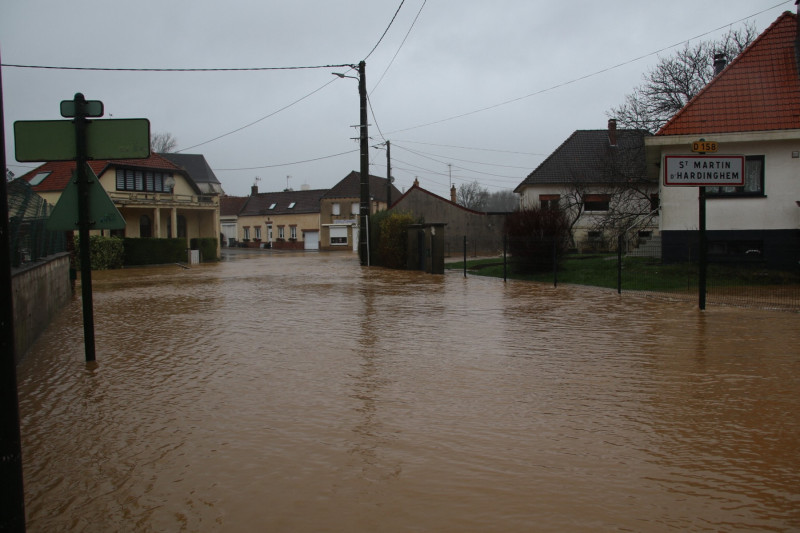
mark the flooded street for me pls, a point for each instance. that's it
(303, 393)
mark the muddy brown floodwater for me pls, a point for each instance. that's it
(303, 393)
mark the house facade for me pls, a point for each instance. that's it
(483, 231)
(751, 108)
(599, 178)
(287, 220)
(340, 207)
(156, 197)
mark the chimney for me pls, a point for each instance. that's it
(416, 182)
(453, 194)
(719, 63)
(254, 190)
(612, 131)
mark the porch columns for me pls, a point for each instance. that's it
(173, 216)
(157, 223)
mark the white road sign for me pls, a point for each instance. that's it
(704, 170)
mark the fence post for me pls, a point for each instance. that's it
(620, 242)
(465, 256)
(555, 265)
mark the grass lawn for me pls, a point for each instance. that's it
(638, 273)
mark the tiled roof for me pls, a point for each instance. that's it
(304, 202)
(758, 91)
(587, 156)
(231, 205)
(417, 188)
(196, 166)
(61, 171)
(350, 187)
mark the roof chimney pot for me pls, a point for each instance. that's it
(719, 63)
(612, 131)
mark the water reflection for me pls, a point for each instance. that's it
(292, 392)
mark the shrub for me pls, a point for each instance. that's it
(389, 238)
(105, 252)
(536, 237)
(155, 251)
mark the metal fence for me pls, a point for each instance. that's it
(736, 280)
(29, 239)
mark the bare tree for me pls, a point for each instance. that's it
(501, 201)
(472, 196)
(676, 79)
(162, 143)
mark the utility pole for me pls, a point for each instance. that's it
(363, 234)
(12, 496)
(388, 175)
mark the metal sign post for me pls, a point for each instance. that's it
(701, 170)
(80, 140)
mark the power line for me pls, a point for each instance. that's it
(399, 47)
(287, 164)
(147, 69)
(581, 78)
(471, 148)
(464, 160)
(386, 30)
(258, 120)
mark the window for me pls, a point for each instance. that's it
(753, 180)
(38, 178)
(339, 236)
(293, 232)
(336, 209)
(272, 206)
(246, 233)
(281, 234)
(138, 180)
(549, 201)
(596, 202)
(355, 208)
(291, 205)
(145, 229)
(258, 232)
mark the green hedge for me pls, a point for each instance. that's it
(389, 238)
(155, 251)
(105, 252)
(207, 247)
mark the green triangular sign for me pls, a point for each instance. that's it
(103, 214)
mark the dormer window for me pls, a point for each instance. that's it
(38, 178)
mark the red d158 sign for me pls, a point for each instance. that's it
(704, 170)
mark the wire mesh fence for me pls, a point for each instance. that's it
(29, 239)
(738, 280)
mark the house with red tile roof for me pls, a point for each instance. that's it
(156, 197)
(750, 108)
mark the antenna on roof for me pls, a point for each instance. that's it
(255, 181)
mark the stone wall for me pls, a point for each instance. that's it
(40, 290)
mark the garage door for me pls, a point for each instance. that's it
(311, 240)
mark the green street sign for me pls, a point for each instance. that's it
(54, 140)
(103, 214)
(92, 108)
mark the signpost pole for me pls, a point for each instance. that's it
(83, 226)
(703, 252)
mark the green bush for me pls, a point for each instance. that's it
(105, 252)
(207, 247)
(155, 251)
(389, 238)
(536, 238)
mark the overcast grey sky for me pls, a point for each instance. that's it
(489, 88)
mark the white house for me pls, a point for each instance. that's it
(750, 108)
